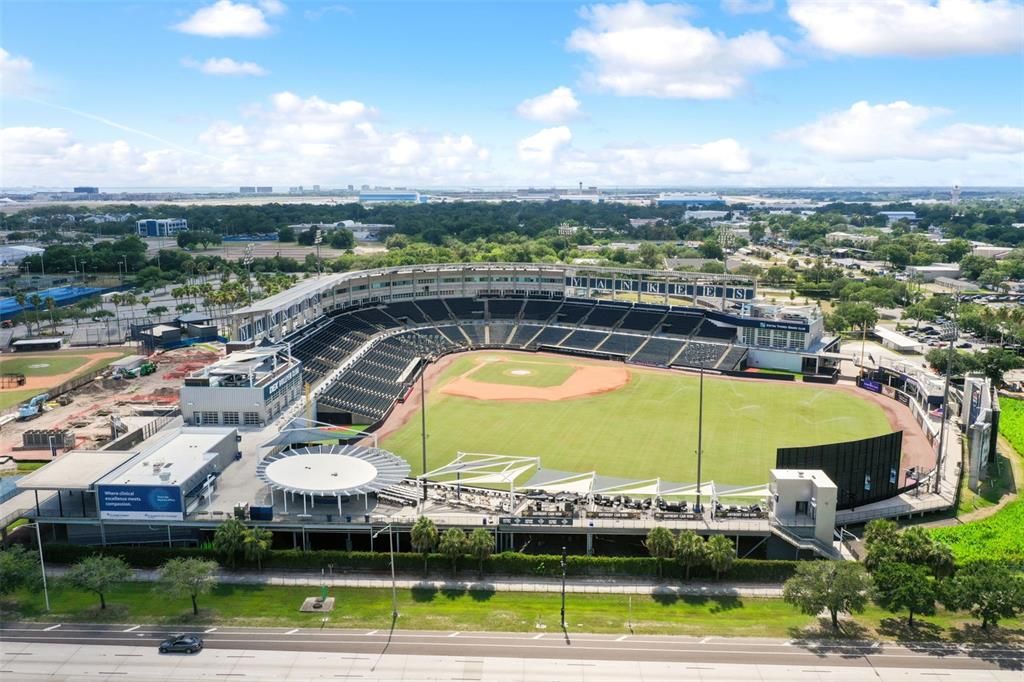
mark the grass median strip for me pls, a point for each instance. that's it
(468, 611)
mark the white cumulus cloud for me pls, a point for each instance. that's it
(912, 27)
(900, 130)
(557, 106)
(14, 72)
(227, 19)
(653, 50)
(225, 66)
(543, 147)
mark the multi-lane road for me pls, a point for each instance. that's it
(67, 651)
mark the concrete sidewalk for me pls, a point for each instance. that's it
(499, 584)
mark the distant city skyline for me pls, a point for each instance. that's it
(737, 93)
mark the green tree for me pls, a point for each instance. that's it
(229, 540)
(453, 545)
(97, 574)
(836, 586)
(36, 301)
(19, 569)
(480, 546)
(900, 586)
(860, 314)
(256, 545)
(649, 256)
(710, 248)
(989, 590)
(919, 312)
(189, 577)
(424, 538)
(721, 553)
(661, 545)
(691, 551)
(286, 234)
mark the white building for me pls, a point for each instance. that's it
(853, 238)
(12, 254)
(161, 227)
(928, 273)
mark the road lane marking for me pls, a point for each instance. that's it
(52, 627)
(454, 634)
(206, 632)
(292, 632)
(622, 638)
(132, 628)
(538, 636)
(704, 641)
(371, 632)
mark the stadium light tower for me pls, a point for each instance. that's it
(700, 432)
(941, 456)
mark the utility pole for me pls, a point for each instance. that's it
(565, 565)
(700, 434)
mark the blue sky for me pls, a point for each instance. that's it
(737, 92)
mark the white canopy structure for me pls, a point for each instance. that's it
(472, 468)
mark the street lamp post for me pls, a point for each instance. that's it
(700, 436)
(565, 563)
(391, 550)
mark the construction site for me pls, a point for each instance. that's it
(88, 408)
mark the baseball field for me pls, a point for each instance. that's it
(580, 415)
(43, 371)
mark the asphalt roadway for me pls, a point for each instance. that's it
(102, 651)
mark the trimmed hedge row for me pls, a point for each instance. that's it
(505, 563)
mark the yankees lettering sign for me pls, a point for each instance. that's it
(733, 293)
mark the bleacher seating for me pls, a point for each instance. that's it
(698, 353)
(680, 324)
(550, 336)
(585, 339)
(641, 320)
(621, 344)
(435, 309)
(710, 330)
(475, 332)
(406, 310)
(523, 333)
(466, 309)
(732, 359)
(376, 317)
(539, 309)
(572, 312)
(504, 308)
(604, 316)
(497, 332)
(658, 351)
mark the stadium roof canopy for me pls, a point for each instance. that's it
(471, 468)
(75, 470)
(307, 431)
(332, 470)
(552, 481)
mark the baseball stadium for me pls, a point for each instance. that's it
(550, 403)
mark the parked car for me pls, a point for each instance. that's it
(186, 644)
(963, 345)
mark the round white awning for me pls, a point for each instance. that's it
(333, 470)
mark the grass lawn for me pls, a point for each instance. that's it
(540, 374)
(460, 610)
(12, 398)
(1011, 422)
(55, 364)
(646, 429)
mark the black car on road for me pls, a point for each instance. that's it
(188, 644)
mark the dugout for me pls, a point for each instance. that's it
(40, 344)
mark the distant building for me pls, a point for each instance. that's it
(264, 189)
(989, 251)
(391, 197)
(853, 238)
(566, 230)
(704, 215)
(161, 227)
(954, 196)
(929, 273)
(13, 254)
(582, 198)
(247, 190)
(893, 217)
(689, 199)
(86, 190)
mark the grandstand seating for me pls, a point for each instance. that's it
(698, 353)
(396, 336)
(658, 351)
(584, 339)
(621, 344)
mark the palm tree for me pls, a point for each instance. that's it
(20, 299)
(36, 301)
(691, 550)
(661, 545)
(424, 538)
(51, 305)
(480, 545)
(453, 545)
(721, 554)
(256, 545)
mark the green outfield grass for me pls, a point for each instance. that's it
(55, 364)
(12, 398)
(646, 429)
(540, 374)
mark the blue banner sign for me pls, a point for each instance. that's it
(140, 502)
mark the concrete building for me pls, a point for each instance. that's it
(247, 388)
(161, 227)
(804, 502)
(929, 273)
(704, 215)
(853, 238)
(989, 251)
(689, 199)
(86, 190)
(13, 254)
(893, 217)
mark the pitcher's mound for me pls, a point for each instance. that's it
(520, 372)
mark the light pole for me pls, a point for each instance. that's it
(125, 259)
(248, 276)
(42, 566)
(318, 239)
(565, 563)
(700, 435)
(423, 430)
(945, 399)
(391, 550)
